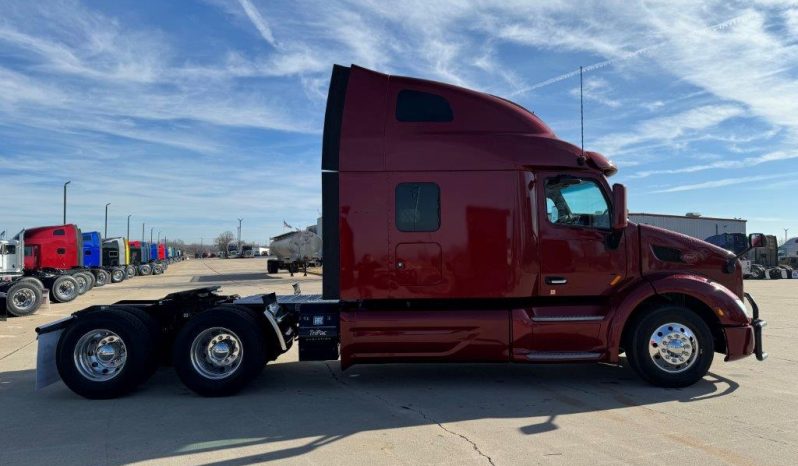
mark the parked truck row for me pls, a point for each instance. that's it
(457, 228)
(766, 262)
(67, 263)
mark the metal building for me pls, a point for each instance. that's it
(692, 224)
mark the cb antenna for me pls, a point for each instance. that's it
(581, 112)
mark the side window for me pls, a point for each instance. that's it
(418, 207)
(58, 232)
(9, 249)
(417, 106)
(576, 201)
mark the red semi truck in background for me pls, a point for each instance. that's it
(54, 255)
(457, 228)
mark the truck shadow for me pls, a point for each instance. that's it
(294, 408)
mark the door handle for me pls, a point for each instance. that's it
(556, 280)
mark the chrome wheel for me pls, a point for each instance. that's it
(82, 284)
(24, 299)
(100, 355)
(118, 275)
(673, 347)
(216, 353)
(66, 289)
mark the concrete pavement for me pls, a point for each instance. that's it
(744, 412)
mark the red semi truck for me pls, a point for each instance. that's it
(457, 228)
(54, 255)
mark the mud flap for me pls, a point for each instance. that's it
(46, 370)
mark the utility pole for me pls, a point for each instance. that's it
(159, 236)
(239, 234)
(65, 185)
(151, 229)
(785, 235)
(128, 227)
(105, 234)
(142, 232)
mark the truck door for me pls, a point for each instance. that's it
(580, 255)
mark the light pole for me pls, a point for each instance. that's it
(105, 234)
(159, 236)
(785, 235)
(238, 245)
(142, 232)
(151, 229)
(65, 185)
(128, 227)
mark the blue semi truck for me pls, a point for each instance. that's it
(93, 260)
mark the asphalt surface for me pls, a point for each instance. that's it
(745, 412)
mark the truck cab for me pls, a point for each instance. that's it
(12, 260)
(19, 295)
(54, 256)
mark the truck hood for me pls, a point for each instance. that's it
(665, 252)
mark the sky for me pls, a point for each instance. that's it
(188, 115)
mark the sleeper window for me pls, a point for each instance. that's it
(418, 207)
(417, 106)
(576, 202)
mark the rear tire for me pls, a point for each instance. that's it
(101, 277)
(130, 270)
(33, 280)
(157, 269)
(64, 289)
(23, 298)
(157, 342)
(671, 346)
(117, 275)
(220, 351)
(145, 269)
(92, 279)
(83, 283)
(104, 354)
(271, 267)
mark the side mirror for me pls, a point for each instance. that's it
(619, 213)
(756, 240)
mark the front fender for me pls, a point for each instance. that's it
(727, 306)
(713, 294)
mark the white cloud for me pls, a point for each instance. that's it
(258, 21)
(669, 128)
(722, 164)
(722, 183)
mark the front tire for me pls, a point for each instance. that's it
(130, 271)
(220, 351)
(64, 289)
(23, 298)
(671, 347)
(104, 354)
(145, 269)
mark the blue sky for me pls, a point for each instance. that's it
(189, 115)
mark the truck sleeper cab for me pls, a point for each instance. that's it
(95, 259)
(457, 228)
(115, 254)
(54, 256)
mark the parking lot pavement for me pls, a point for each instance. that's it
(744, 412)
